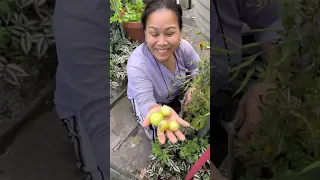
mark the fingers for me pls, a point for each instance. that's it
(180, 136)
(188, 96)
(188, 99)
(182, 122)
(146, 122)
(172, 138)
(161, 137)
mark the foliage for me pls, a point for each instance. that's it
(198, 111)
(177, 159)
(286, 144)
(25, 36)
(131, 12)
(120, 50)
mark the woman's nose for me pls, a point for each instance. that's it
(162, 41)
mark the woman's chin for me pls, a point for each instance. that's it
(162, 57)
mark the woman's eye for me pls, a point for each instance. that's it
(154, 35)
(169, 34)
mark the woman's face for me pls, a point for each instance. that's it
(162, 34)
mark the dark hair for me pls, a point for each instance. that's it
(154, 5)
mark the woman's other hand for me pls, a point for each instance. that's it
(172, 136)
(188, 96)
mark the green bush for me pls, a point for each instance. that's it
(120, 50)
(175, 160)
(26, 37)
(286, 144)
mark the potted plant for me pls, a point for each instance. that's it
(129, 16)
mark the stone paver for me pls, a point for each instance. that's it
(138, 156)
(117, 159)
(123, 154)
(122, 122)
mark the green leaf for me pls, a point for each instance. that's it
(15, 18)
(11, 77)
(204, 131)
(32, 25)
(46, 22)
(18, 70)
(23, 18)
(39, 3)
(261, 30)
(246, 63)
(220, 51)
(198, 122)
(311, 167)
(43, 13)
(26, 43)
(3, 60)
(26, 3)
(246, 80)
(41, 47)
(250, 45)
(16, 42)
(234, 76)
(16, 30)
(36, 37)
(284, 57)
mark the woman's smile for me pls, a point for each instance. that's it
(163, 52)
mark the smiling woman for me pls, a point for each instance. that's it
(158, 67)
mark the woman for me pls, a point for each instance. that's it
(157, 68)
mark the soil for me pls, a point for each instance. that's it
(16, 98)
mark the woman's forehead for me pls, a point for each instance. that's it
(162, 18)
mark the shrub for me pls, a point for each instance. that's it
(286, 144)
(175, 160)
(120, 50)
(26, 37)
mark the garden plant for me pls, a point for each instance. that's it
(27, 53)
(286, 143)
(175, 160)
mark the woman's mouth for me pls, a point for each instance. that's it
(163, 50)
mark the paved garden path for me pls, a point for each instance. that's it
(42, 149)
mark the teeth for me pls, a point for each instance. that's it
(161, 50)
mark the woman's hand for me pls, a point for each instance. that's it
(172, 136)
(188, 96)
